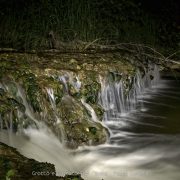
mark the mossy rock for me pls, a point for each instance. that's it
(9, 107)
(79, 129)
(34, 73)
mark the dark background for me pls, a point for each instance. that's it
(26, 24)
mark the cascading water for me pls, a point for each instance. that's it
(52, 99)
(129, 154)
(117, 100)
(76, 83)
(28, 110)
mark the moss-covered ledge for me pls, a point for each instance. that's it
(54, 85)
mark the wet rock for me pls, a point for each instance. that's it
(76, 120)
(53, 86)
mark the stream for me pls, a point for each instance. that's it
(144, 143)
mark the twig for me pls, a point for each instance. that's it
(172, 55)
(89, 44)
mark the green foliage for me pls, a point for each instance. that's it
(87, 20)
(93, 130)
(10, 174)
(91, 92)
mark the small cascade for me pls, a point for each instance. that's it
(58, 122)
(76, 84)
(68, 78)
(91, 110)
(60, 102)
(64, 79)
(50, 93)
(28, 109)
(118, 99)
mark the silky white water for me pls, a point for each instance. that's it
(144, 142)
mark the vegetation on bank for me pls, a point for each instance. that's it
(43, 24)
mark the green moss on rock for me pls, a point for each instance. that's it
(79, 129)
(39, 73)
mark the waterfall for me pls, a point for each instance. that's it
(69, 78)
(28, 110)
(117, 100)
(91, 110)
(116, 97)
(50, 93)
(41, 144)
(76, 83)
(136, 147)
(64, 80)
(61, 133)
